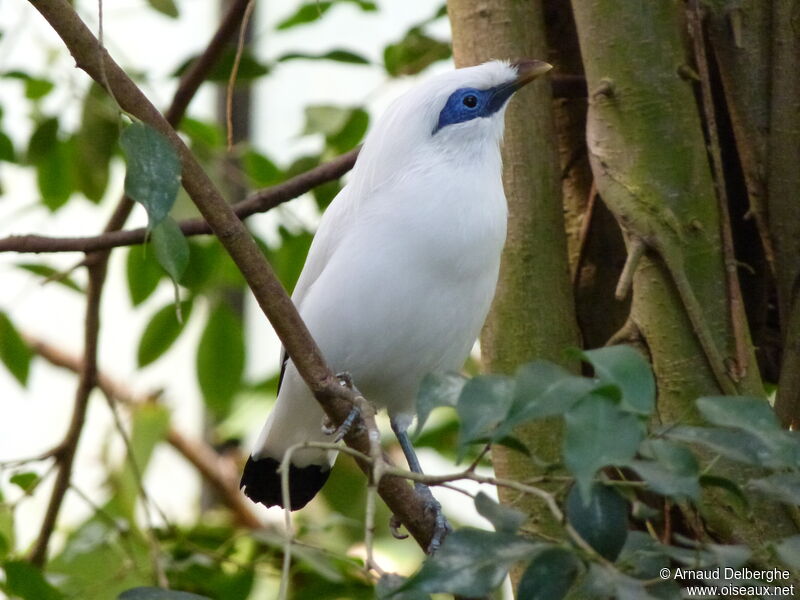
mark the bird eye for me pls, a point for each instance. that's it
(470, 101)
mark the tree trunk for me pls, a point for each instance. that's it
(783, 183)
(533, 311)
(650, 164)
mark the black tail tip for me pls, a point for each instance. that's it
(261, 482)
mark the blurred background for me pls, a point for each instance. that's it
(311, 79)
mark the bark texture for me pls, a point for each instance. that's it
(650, 164)
(783, 183)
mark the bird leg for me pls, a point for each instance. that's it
(441, 526)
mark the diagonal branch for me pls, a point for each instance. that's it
(97, 266)
(335, 399)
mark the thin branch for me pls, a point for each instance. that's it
(235, 71)
(197, 73)
(197, 452)
(65, 452)
(273, 300)
(258, 202)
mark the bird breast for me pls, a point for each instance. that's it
(409, 285)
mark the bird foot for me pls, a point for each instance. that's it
(342, 430)
(441, 527)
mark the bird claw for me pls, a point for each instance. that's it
(394, 527)
(342, 430)
(441, 527)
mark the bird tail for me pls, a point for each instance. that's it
(261, 482)
(296, 418)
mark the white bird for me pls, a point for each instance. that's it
(403, 268)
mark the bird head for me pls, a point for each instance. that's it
(457, 115)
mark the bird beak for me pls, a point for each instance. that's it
(528, 70)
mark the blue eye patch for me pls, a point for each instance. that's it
(466, 104)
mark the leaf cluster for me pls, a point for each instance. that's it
(624, 474)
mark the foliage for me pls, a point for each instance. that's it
(625, 477)
(621, 482)
(113, 552)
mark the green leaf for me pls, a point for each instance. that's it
(7, 534)
(51, 274)
(249, 68)
(550, 575)
(287, 259)
(471, 563)
(203, 133)
(414, 53)
(642, 556)
(154, 170)
(95, 143)
(171, 248)
(43, 140)
(100, 559)
(325, 119)
(338, 55)
(736, 445)
(25, 581)
(220, 359)
(26, 481)
(161, 332)
(738, 500)
(260, 169)
(14, 352)
(602, 521)
(749, 413)
(165, 7)
(627, 369)
(788, 550)
(388, 585)
(36, 88)
(482, 405)
(143, 274)
(674, 471)
(435, 390)
(312, 11)
(205, 259)
(543, 389)
(598, 433)
(152, 593)
(784, 487)
(503, 518)
(351, 133)
(150, 423)
(7, 152)
(307, 13)
(55, 176)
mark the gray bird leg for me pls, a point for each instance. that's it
(441, 527)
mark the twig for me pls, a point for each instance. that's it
(735, 302)
(258, 202)
(197, 452)
(97, 266)
(147, 501)
(65, 452)
(636, 249)
(235, 71)
(583, 234)
(273, 300)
